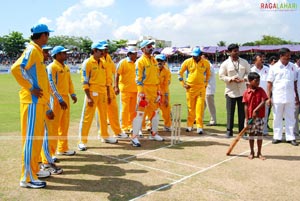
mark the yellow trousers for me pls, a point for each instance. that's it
(128, 107)
(166, 111)
(113, 113)
(100, 102)
(49, 142)
(195, 98)
(151, 95)
(32, 129)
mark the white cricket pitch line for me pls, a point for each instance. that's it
(191, 175)
(135, 163)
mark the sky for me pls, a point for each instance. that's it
(184, 22)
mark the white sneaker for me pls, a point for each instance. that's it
(111, 140)
(81, 147)
(188, 129)
(67, 153)
(140, 134)
(199, 131)
(156, 137)
(122, 135)
(135, 142)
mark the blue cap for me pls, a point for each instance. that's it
(104, 43)
(196, 52)
(40, 28)
(58, 49)
(46, 47)
(132, 49)
(161, 57)
(98, 46)
(144, 43)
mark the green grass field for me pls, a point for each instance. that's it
(195, 169)
(9, 101)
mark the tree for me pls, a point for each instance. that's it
(84, 44)
(115, 44)
(221, 43)
(13, 44)
(269, 40)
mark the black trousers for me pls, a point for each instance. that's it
(230, 107)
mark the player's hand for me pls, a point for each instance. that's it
(117, 90)
(37, 92)
(50, 114)
(269, 102)
(63, 105)
(74, 98)
(159, 97)
(90, 102)
(166, 102)
(186, 86)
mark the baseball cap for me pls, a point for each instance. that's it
(40, 28)
(58, 49)
(196, 52)
(104, 43)
(46, 47)
(160, 57)
(144, 43)
(98, 46)
(132, 49)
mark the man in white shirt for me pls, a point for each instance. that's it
(283, 94)
(234, 72)
(263, 72)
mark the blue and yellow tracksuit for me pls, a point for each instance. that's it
(128, 92)
(94, 78)
(165, 80)
(112, 107)
(197, 73)
(147, 79)
(61, 86)
(30, 72)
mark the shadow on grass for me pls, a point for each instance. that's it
(117, 188)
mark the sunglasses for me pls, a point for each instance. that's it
(149, 46)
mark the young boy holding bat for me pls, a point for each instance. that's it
(254, 99)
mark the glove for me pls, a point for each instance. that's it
(142, 102)
(159, 97)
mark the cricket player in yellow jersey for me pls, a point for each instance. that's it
(94, 79)
(48, 159)
(196, 69)
(165, 80)
(125, 85)
(30, 72)
(61, 86)
(112, 107)
(149, 96)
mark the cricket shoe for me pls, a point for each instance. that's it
(122, 135)
(135, 142)
(156, 137)
(66, 153)
(33, 184)
(81, 147)
(200, 131)
(52, 168)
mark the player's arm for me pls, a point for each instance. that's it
(180, 75)
(52, 72)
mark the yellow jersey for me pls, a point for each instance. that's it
(30, 72)
(94, 75)
(126, 70)
(60, 80)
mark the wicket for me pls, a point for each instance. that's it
(176, 121)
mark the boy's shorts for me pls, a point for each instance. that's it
(257, 126)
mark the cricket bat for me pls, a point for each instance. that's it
(238, 137)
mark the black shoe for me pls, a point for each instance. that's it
(211, 124)
(293, 142)
(229, 134)
(276, 141)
